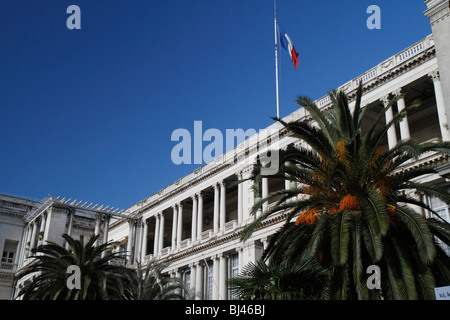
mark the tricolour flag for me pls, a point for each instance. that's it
(287, 44)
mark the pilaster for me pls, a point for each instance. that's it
(131, 226)
(240, 208)
(223, 276)
(174, 226)
(389, 115)
(144, 240)
(223, 201)
(440, 105)
(216, 208)
(180, 225)
(161, 231)
(200, 216)
(404, 125)
(439, 14)
(156, 241)
(194, 219)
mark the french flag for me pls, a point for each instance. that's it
(287, 44)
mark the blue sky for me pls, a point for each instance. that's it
(89, 113)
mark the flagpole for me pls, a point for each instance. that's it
(276, 58)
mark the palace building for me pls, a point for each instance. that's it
(195, 224)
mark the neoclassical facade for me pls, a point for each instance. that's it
(27, 223)
(196, 222)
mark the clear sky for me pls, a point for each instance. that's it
(89, 113)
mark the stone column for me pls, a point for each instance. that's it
(223, 277)
(98, 220)
(23, 245)
(174, 227)
(42, 228)
(404, 125)
(178, 275)
(105, 231)
(70, 226)
(240, 204)
(223, 201)
(131, 225)
(193, 281)
(47, 232)
(144, 240)
(200, 216)
(33, 240)
(194, 219)
(137, 252)
(240, 251)
(216, 276)
(265, 242)
(392, 135)
(156, 241)
(28, 239)
(264, 193)
(106, 228)
(180, 225)
(287, 182)
(199, 281)
(161, 232)
(216, 208)
(440, 105)
(248, 193)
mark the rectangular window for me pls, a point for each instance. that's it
(209, 280)
(234, 271)
(444, 212)
(9, 251)
(8, 257)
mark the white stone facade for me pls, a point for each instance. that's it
(170, 222)
(439, 14)
(196, 223)
(12, 226)
(21, 231)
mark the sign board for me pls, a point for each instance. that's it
(442, 293)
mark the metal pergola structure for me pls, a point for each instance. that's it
(76, 205)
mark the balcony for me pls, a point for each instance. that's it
(384, 68)
(230, 226)
(8, 267)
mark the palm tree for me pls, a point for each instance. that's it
(280, 281)
(153, 285)
(354, 207)
(99, 278)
